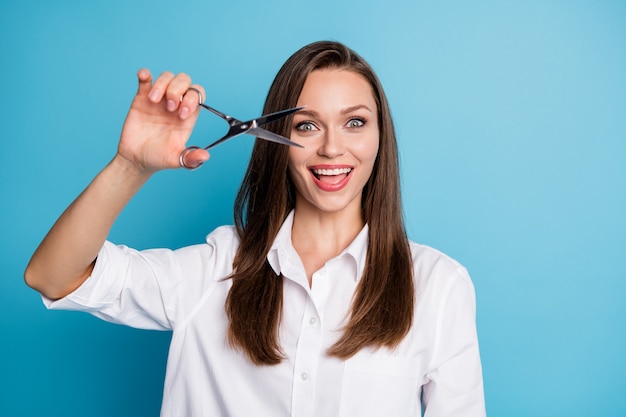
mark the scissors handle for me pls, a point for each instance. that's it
(183, 155)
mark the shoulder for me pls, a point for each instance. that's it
(223, 236)
(432, 267)
(220, 246)
(213, 258)
(224, 239)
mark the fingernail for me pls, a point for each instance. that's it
(184, 112)
(154, 94)
(171, 105)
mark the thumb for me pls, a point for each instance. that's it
(144, 78)
(194, 158)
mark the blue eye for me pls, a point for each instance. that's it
(355, 122)
(305, 126)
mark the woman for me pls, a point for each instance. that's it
(315, 302)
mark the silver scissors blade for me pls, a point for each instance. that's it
(272, 137)
(265, 119)
(238, 127)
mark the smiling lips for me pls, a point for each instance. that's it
(331, 178)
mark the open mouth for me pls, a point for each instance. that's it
(331, 175)
(331, 179)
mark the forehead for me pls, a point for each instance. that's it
(336, 87)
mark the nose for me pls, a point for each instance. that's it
(332, 144)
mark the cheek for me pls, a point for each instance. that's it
(368, 149)
(297, 158)
(291, 164)
(292, 169)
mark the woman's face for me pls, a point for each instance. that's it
(339, 131)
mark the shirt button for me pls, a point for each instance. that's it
(304, 376)
(312, 321)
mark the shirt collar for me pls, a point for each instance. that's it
(282, 249)
(358, 251)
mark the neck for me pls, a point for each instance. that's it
(320, 236)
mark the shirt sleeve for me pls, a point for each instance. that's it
(142, 289)
(455, 383)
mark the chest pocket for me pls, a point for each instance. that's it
(381, 385)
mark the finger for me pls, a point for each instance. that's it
(160, 87)
(196, 157)
(191, 100)
(144, 78)
(176, 89)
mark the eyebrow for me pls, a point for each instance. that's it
(313, 113)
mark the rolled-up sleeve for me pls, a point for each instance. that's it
(142, 289)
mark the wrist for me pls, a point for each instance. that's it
(129, 169)
(123, 174)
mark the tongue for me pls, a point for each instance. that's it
(332, 179)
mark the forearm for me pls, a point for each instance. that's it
(65, 257)
(156, 129)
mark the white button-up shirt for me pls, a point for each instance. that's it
(436, 366)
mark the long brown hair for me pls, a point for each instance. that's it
(382, 308)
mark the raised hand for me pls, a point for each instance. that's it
(160, 121)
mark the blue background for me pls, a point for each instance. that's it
(511, 118)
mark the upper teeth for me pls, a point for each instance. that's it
(336, 171)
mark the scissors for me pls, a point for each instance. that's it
(237, 127)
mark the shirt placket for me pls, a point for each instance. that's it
(309, 347)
